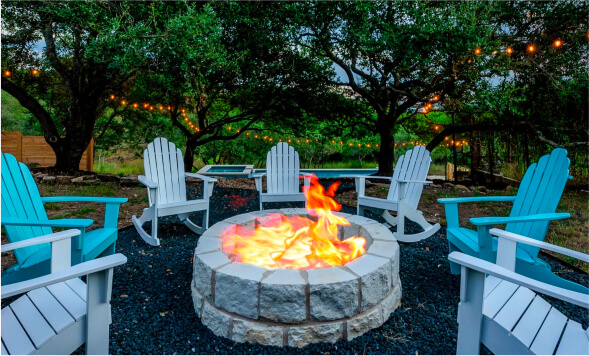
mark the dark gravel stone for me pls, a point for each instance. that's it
(153, 311)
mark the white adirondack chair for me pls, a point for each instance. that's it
(502, 311)
(282, 176)
(59, 312)
(166, 190)
(404, 194)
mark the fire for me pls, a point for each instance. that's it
(297, 242)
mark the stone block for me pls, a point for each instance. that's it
(282, 297)
(395, 268)
(361, 220)
(377, 232)
(219, 229)
(217, 321)
(391, 302)
(247, 331)
(236, 289)
(333, 294)
(348, 231)
(203, 271)
(384, 248)
(364, 322)
(305, 335)
(208, 244)
(375, 273)
(294, 211)
(269, 219)
(247, 221)
(197, 299)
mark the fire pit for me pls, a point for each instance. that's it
(278, 301)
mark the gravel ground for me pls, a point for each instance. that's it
(153, 311)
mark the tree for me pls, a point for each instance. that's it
(90, 51)
(396, 56)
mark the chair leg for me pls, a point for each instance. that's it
(415, 216)
(360, 210)
(454, 267)
(149, 214)
(205, 219)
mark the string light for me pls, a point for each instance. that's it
(112, 97)
(135, 105)
(557, 43)
(35, 72)
(477, 51)
(436, 98)
(7, 73)
(123, 102)
(531, 48)
(509, 50)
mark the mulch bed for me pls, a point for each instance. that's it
(153, 311)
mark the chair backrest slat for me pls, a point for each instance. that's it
(164, 165)
(413, 165)
(540, 192)
(282, 169)
(21, 199)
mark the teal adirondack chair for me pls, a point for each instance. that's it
(533, 208)
(24, 217)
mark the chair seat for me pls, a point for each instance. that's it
(32, 321)
(518, 321)
(378, 203)
(95, 242)
(185, 206)
(467, 239)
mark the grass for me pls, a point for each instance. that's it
(437, 169)
(126, 168)
(349, 165)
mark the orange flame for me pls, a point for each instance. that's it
(297, 242)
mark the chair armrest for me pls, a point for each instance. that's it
(414, 181)
(78, 270)
(40, 240)
(200, 176)
(77, 223)
(372, 177)
(258, 180)
(497, 220)
(146, 182)
(106, 200)
(475, 199)
(492, 269)
(502, 234)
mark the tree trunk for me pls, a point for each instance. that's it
(189, 157)
(69, 155)
(491, 155)
(386, 155)
(475, 155)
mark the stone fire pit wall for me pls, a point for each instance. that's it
(247, 303)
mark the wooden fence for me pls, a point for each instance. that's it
(34, 149)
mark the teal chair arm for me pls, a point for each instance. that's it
(111, 214)
(106, 200)
(451, 206)
(475, 199)
(497, 220)
(76, 223)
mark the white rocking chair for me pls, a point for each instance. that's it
(404, 194)
(282, 176)
(499, 308)
(59, 312)
(166, 190)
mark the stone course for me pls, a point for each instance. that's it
(290, 307)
